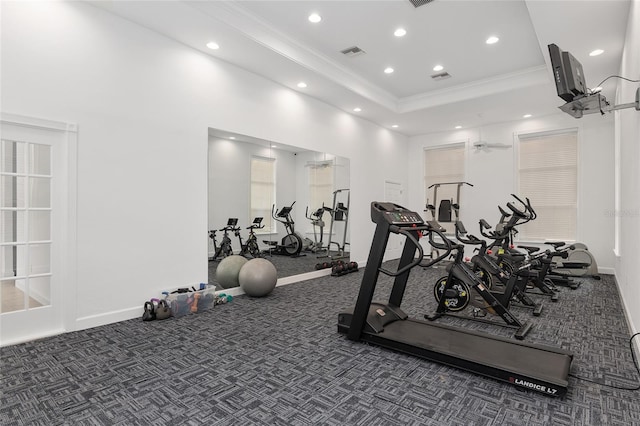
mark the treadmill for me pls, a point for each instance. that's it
(540, 368)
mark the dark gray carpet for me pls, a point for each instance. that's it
(280, 361)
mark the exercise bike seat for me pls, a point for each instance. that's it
(556, 244)
(530, 249)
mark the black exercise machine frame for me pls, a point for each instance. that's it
(540, 368)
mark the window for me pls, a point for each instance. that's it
(25, 225)
(320, 184)
(548, 176)
(262, 192)
(442, 165)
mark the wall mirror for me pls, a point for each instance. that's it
(295, 200)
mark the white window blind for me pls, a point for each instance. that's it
(320, 184)
(263, 186)
(442, 165)
(548, 176)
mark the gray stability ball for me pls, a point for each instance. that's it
(258, 277)
(228, 270)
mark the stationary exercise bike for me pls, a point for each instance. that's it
(216, 249)
(511, 260)
(510, 285)
(251, 246)
(291, 244)
(225, 248)
(453, 293)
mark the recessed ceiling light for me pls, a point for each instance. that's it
(596, 52)
(213, 45)
(302, 85)
(395, 126)
(315, 18)
(273, 146)
(526, 116)
(438, 68)
(357, 109)
(388, 70)
(492, 40)
(458, 127)
(400, 32)
(232, 137)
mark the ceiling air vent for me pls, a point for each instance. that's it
(353, 51)
(441, 75)
(418, 3)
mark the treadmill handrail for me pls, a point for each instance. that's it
(398, 230)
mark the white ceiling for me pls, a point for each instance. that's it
(488, 83)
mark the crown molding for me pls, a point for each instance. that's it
(234, 15)
(503, 83)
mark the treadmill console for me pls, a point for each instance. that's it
(394, 214)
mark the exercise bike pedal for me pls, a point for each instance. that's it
(537, 310)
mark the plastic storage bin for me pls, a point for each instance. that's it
(182, 304)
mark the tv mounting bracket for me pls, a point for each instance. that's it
(596, 102)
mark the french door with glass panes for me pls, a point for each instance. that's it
(32, 230)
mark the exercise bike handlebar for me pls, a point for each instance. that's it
(468, 239)
(527, 206)
(276, 216)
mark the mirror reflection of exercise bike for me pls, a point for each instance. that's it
(224, 249)
(292, 243)
(251, 246)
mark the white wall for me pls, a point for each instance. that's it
(492, 171)
(628, 137)
(144, 104)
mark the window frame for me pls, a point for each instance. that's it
(533, 134)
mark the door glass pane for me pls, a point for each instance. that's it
(40, 259)
(12, 226)
(12, 156)
(39, 291)
(40, 163)
(13, 261)
(12, 191)
(12, 296)
(39, 192)
(39, 225)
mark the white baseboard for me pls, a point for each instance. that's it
(31, 337)
(303, 277)
(606, 271)
(627, 317)
(108, 318)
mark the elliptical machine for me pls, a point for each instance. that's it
(316, 220)
(291, 244)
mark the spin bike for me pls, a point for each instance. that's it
(225, 248)
(216, 249)
(251, 246)
(453, 293)
(291, 244)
